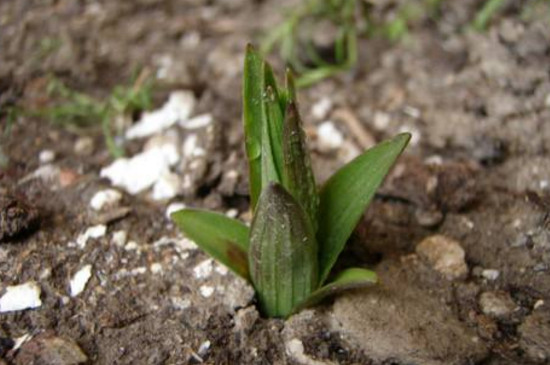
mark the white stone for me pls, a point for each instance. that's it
(206, 291)
(142, 170)
(47, 173)
(105, 198)
(232, 213)
(174, 207)
(203, 348)
(547, 101)
(46, 156)
(167, 186)
(200, 121)
(496, 304)
(80, 279)
(180, 303)
(179, 107)
(119, 238)
(203, 270)
(381, 120)
(21, 297)
(131, 246)
(490, 274)
(156, 268)
(191, 147)
(92, 232)
(321, 108)
(295, 349)
(329, 138)
(221, 269)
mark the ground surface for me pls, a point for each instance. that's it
(475, 183)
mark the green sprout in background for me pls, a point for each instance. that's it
(78, 110)
(298, 231)
(294, 36)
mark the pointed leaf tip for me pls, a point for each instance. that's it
(346, 195)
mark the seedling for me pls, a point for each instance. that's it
(298, 231)
(78, 110)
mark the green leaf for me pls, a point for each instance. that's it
(298, 176)
(272, 136)
(346, 195)
(254, 118)
(223, 238)
(353, 278)
(283, 253)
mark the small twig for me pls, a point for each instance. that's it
(358, 131)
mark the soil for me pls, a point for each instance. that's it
(477, 174)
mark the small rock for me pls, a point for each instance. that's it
(142, 170)
(21, 297)
(206, 291)
(92, 232)
(80, 279)
(46, 156)
(295, 350)
(174, 207)
(105, 198)
(167, 186)
(320, 109)
(52, 350)
(547, 101)
(200, 121)
(178, 108)
(119, 238)
(428, 218)
(329, 138)
(445, 255)
(381, 121)
(203, 270)
(490, 274)
(204, 348)
(496, 304)
(238, 295)
(84, 146)
(245, 319)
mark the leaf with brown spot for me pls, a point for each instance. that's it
(224, 238)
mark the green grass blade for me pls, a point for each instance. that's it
(253, 118)
(346, 195)
(298, 176)
(487, 12)
(223, 238)
(353, 278)
(283, 253)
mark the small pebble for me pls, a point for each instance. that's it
(179, 107)
(80, 279)
(46, 156)
(320, 109)
(92, 232)
(206, 291)
(105, 198)
(232, 213)
(84, 146)
(21, 297)
(381, 120)
(490, 274)
(167, 186)
(119, 238)
(203, 270)
(200, 121)
(174, 207)
(329, 138)
(496, 304)
(445, 255)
